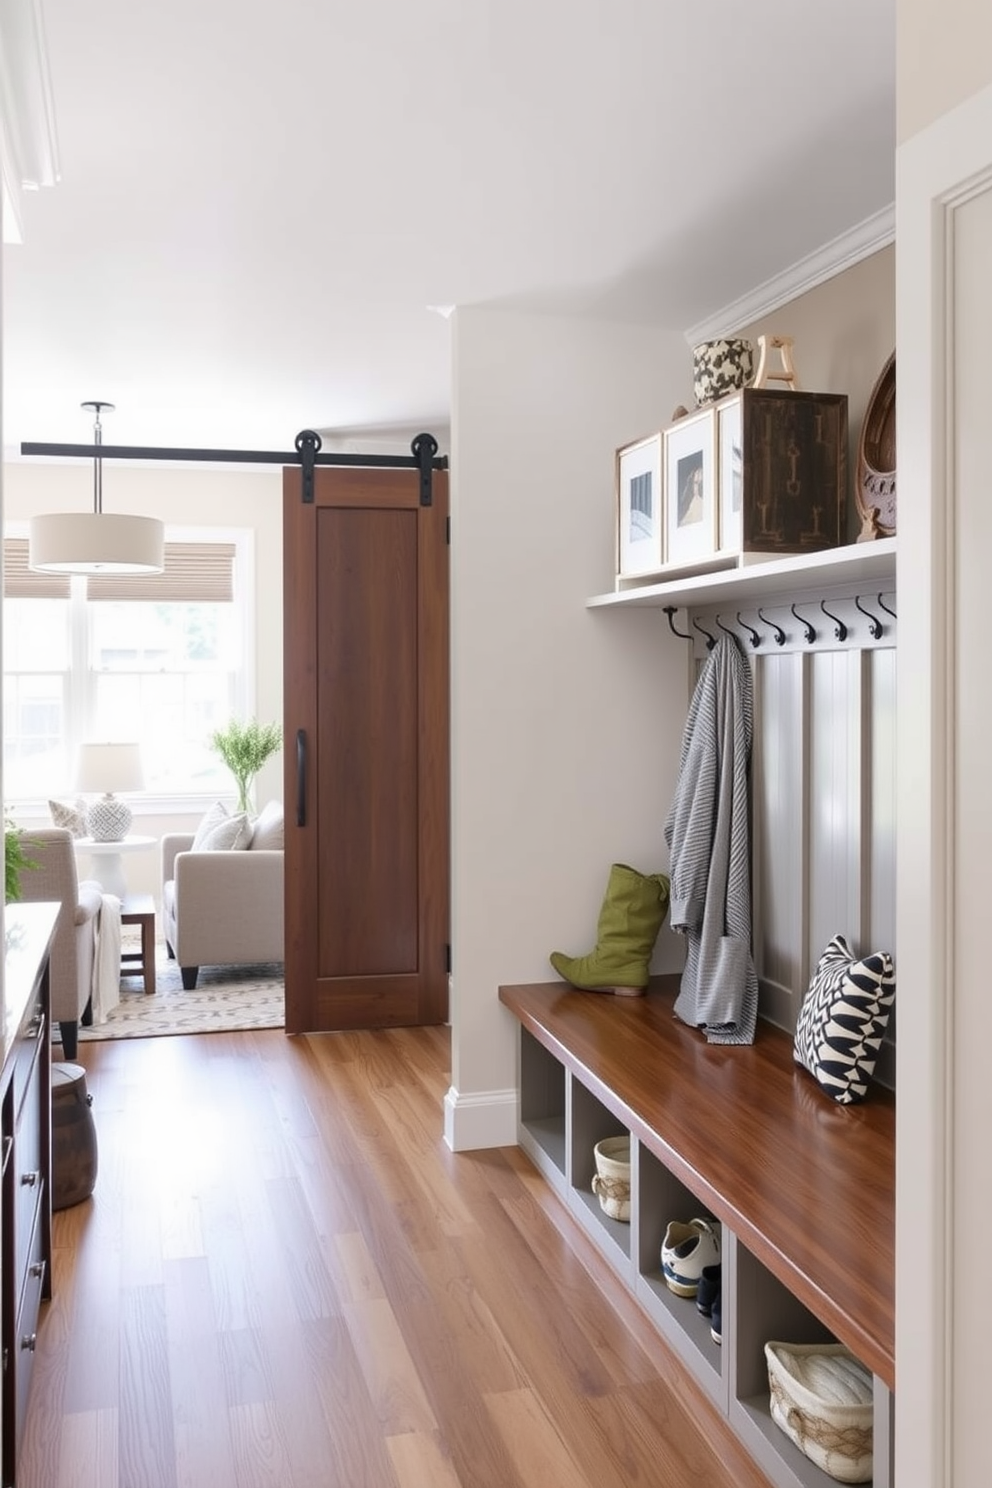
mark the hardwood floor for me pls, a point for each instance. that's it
(285, 1279)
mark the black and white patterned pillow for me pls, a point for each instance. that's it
(842, 1019)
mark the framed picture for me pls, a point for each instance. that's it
(640, 510)
(730, 474)
(690, 486)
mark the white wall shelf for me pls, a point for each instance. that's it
(857, 564)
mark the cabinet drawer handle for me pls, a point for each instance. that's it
(30, 1179)
(29, 1341)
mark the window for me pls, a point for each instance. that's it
(160, 658)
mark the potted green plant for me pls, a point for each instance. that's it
(16, 861)
(244, 748)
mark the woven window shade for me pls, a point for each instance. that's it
(197, 573)
(19, 582)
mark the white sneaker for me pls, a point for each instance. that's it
(686, 1249)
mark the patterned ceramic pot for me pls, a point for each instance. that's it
(718, 367)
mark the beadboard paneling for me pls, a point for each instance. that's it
(823, 808)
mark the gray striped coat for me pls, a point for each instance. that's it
(708, 834)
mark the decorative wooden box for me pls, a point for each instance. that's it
(781, 471)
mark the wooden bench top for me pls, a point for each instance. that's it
(806, 1185)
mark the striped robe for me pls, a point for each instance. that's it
(708, 835)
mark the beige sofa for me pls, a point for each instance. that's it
(221, 908)
(56, 880)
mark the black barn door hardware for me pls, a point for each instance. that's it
(423, 457)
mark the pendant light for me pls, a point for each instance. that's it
(97, 541)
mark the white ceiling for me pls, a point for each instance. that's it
(260, 202)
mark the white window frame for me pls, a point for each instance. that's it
(243, 700)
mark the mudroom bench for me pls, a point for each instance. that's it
(804, 1189)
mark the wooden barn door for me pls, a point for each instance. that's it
(366, 749)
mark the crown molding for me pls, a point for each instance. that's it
(841, 253)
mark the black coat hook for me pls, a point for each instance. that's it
(889, 608)
(731, 633)
(840, 629)
(779, 632)
(710, 639)
(754, 634)
(808, 632)
(683, 635)
(874, 624)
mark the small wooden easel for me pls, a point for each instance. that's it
(786, 372)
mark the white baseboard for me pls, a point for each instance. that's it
(487, 1118)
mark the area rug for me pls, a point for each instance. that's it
(224, 1000)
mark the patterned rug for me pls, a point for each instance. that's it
(224, 1000)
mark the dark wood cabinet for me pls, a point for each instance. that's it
(25, 1123)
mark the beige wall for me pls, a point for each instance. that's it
(943, 55)
(205, 497)
(564, 740)
(566, 722)
(844, 332)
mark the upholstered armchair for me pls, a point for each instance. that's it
(56, 880)
(223, 908)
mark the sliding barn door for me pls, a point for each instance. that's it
(367, 749)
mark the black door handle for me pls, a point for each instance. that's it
(301, 777)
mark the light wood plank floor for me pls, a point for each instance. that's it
(285, 1279)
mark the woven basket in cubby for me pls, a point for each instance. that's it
(822, 1398)
(612, 1181)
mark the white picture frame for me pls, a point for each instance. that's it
(640, 507)
(730, 473)
(690, 489)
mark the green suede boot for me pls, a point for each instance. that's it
(632, 914)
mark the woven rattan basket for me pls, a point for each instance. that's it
(821, 1397)
(612, 1181)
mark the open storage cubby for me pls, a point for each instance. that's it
(765, 1310)
(591, 1121)
(742, 1135)
(661, 1198)
(542, 1110)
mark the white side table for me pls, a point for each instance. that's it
(108, 863)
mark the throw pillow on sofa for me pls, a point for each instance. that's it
(269, 831)
(219, 831)
(71, 817)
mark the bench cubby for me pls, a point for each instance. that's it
(802, 1188)
(660, 1197)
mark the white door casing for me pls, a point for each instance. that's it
(943, 1182)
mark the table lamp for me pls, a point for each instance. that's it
(107, 768)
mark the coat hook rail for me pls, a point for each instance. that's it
(779, 633)
(809, 633)
(683, 635)
(840, 629)
(710, 639)
(875, 626)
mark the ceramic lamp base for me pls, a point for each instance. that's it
(108, 819)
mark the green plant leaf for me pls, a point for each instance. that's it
(244, 747)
